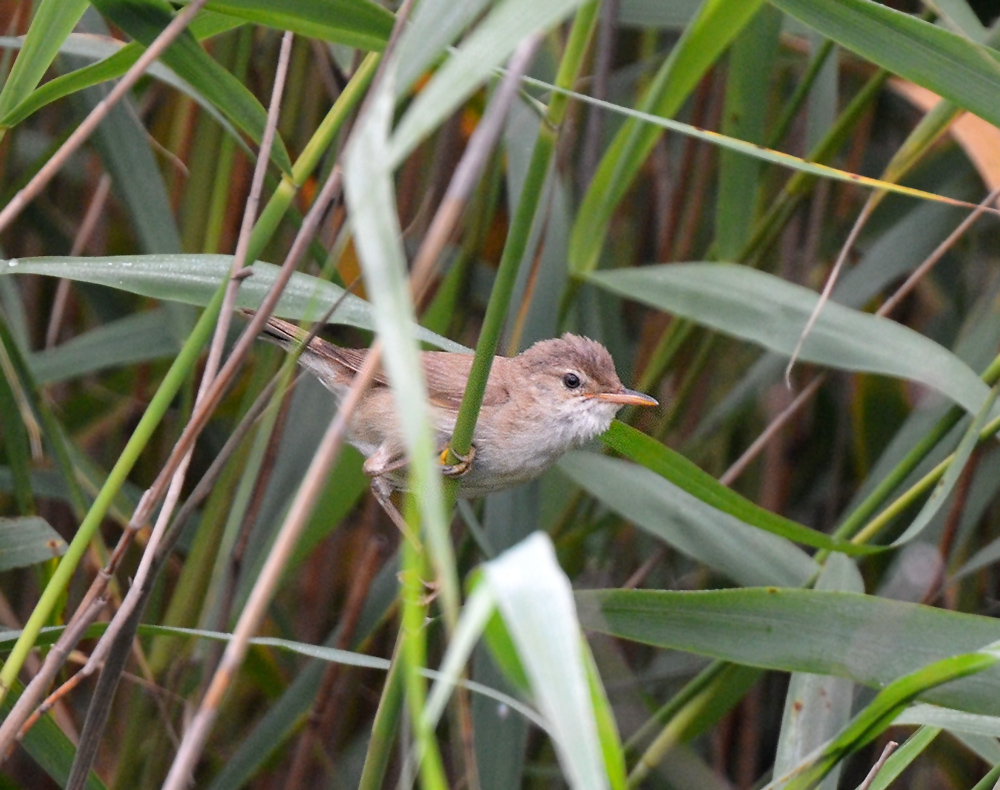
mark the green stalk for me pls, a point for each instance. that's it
(669, 344)
(852, 524)
(692, 689)
(917, 490)
(702, 354)
(989, 780)
(793, 105)
(384, 727)
(517, 239)
(172, 382)
(413, 633)
(310, 157)
(783, 207)
(851, 528)
(698, 704)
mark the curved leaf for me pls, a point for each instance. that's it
(369, 190)
(145, 21)
(113, 59)
(27, 541)
(484, 48)
(868, 639)
(747, 555)
(674, 467)
(54, 20)
(433, 25)
(766, 310)
(355, 23)
(194, 279)
(536, 601)
(963, 71)
(873, 719)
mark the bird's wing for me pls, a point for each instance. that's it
(447, 374)
(352, 359)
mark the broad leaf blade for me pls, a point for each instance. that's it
(817, 706)
(771, 312)
(145, 21)
(193, 279)
(724, 543)
(868, 639)
(948, 64)
(135, 338)
(354, 23)
(536, 601)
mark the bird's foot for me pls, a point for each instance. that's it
(462, 467)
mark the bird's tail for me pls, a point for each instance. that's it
(334, 366)
(279, 332)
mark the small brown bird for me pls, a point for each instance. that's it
(554, 396)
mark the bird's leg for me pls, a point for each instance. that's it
(382, 489)
(383, 461)
(378, 466)
(462, 467)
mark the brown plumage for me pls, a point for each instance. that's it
(547, 400)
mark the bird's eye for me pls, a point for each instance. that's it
(571, 380)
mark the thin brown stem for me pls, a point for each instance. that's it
(67, 640)
(212, 364)
(469, 169)
(41, 179)
(322, 717)
(887, 307)
(890, 747)
(80, 242)
(167, 484)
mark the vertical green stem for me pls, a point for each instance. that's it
(793, 105)
(310, 157)
(413, 634)
(390, 707)
(517, 238)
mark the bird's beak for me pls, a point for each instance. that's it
(627, 398)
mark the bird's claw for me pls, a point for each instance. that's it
(464, 462)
